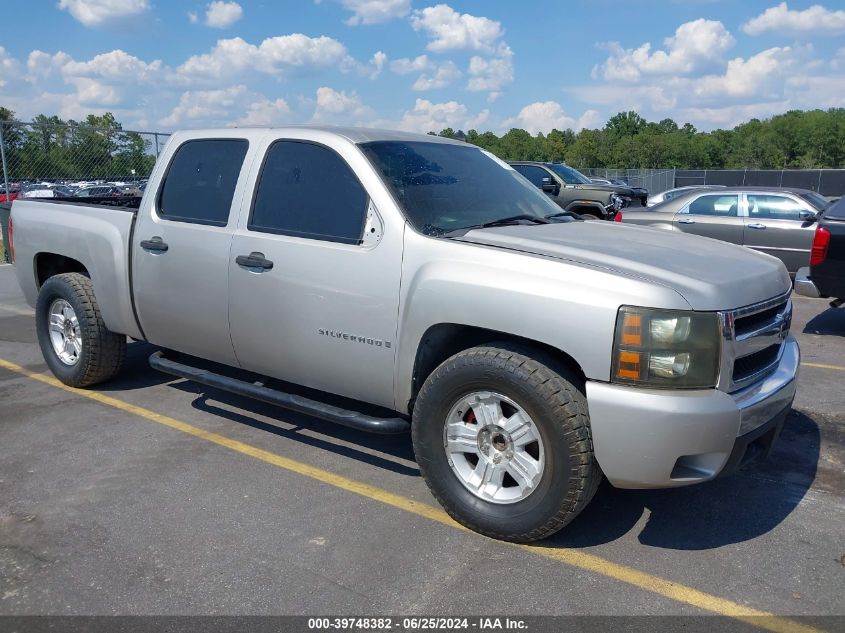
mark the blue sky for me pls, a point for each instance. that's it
(164, 65)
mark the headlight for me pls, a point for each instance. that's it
(666, 348)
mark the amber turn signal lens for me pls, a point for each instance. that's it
(630, 365)
(632, 329)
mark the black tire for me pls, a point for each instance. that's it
(102, 351)
(590, 215)
(554, 398)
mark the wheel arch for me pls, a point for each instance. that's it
(443, 340)
(587, 206)
(48, 264)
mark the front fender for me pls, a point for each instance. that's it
(568, 306)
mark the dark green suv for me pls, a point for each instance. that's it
(573, 191)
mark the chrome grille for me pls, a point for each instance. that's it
(753, 341)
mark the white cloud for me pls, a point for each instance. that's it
(445, 74)
(106, 80)
(406, 66)
(815, 20)
(769, 82)
(375, 11)
(94, 13)
(8, 67)
(760, 75)
(221, 15)
(694, 45)
(450, 30)
(208, 106)
(265, 112)
(491, 74)
(544, 116)
(427, 116)
(115, 65)
(377, 62)
(193, 18)
(274, 56)
(337, 106)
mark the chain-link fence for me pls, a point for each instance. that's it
(828, 182)
(74, 155)
(655, 180)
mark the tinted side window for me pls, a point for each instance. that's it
(534, 174)
(774, 207)
(715, 205)
(308, 190)
(200, 181)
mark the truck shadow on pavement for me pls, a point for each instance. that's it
(727, 510)
(831, 322)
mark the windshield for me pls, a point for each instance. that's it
(816, 199)
(569, 175)
(444, 187)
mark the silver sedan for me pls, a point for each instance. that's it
(777, 221)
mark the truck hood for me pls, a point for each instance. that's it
(707, 273)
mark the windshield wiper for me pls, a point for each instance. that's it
(514, 219)
(566, 214)
(509, 221)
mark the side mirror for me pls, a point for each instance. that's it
(807, 216)
(550, 186)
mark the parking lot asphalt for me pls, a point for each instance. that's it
(153, 495)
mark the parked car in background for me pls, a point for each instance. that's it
(14, 192)
(777, 221)
(825, 276)
(665, 196)
(97, 191)
(573, 191)
(40, 192)
(639, 192)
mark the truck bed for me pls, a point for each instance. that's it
(96, 233)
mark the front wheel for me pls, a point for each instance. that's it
(74, 340)
(502, 438)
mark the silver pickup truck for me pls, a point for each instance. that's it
(415, 282)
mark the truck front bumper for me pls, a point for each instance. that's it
(650, 438)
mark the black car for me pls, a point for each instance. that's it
(825, 276)
(573, 191)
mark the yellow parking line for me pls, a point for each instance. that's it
(823, 366)
(574, 558)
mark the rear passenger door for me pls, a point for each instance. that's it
(777, 225)
(314, 273)
(181, 249)
(712, 215)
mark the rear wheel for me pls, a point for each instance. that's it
(502, 438)
(74, 341)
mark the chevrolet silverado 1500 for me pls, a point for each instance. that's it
(410, 282)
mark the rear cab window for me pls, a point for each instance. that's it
(200, 181)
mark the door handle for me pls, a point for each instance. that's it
(756, 225)
(686, 221)
(254, 260)
(154, 245)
